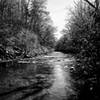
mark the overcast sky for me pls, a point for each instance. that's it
(58, 11)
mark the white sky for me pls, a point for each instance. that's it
(58, 11)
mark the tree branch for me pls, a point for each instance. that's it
(90, 3)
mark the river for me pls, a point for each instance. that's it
(43, 78)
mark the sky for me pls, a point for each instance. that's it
(59, 9)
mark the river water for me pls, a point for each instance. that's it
(43, 78)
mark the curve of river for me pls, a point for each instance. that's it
(44, 78)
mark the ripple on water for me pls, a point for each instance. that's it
(50, 70)
(58, 89)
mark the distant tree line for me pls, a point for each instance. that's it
(82, 38)
(25, 25)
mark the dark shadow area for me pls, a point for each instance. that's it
(24, 80)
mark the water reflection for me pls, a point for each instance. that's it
(61, 88)
(45, 79)
(57, 91)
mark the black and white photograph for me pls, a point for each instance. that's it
(49, 49)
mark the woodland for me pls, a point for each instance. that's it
(82, 39)
(26, 29)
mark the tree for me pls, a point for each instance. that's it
(85, 35)
(40, 22)
(84, 31)
(29, 15)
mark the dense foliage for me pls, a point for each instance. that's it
(84, 30)
(25, 25)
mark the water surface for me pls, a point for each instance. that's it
(44, 78)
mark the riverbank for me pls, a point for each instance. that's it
(11, 56)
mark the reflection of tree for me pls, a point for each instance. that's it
(33, 80)
(31, 90)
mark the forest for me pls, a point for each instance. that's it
(26, 29)
(82, 39)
